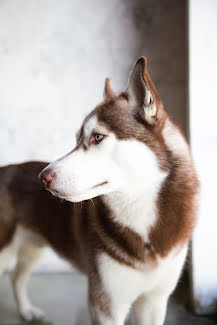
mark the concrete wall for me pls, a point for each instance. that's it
(55, 55)
(203, 117)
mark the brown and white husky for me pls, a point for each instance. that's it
(133, 166)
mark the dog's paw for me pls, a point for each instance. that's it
(32, 314)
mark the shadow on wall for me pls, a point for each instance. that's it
(161, 36)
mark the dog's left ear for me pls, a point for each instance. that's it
(108, 92)
(142, 93)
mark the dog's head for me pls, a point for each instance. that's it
(119, 144)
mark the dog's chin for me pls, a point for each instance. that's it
(58, 194)
(78, 197)
(83, 196)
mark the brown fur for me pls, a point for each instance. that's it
(176, 201)
(177, 207)
(79, 232)
(72, 230)
(69, 227)
(7, 209)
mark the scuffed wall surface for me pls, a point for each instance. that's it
(55, 55)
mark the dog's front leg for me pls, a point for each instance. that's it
(103, 308)
(150, 309)
(98, 316)
(112, 316)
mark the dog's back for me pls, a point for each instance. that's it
(7, 208)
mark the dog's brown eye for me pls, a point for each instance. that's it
(98, 137)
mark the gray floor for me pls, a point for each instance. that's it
(64, 299)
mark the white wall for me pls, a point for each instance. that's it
(55, 55)
(203, 128)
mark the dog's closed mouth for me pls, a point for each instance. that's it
(100, 184)
(64, 195)
(57, 193)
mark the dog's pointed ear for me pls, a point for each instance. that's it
(108, 92)
(142, 93)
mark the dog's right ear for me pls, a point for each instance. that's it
(108, 92)
(142, 93)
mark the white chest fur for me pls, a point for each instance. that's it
(124, 285)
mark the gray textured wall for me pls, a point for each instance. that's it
(55, 55)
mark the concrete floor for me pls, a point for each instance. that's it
(64, 299)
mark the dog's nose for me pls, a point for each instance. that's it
(47, 177)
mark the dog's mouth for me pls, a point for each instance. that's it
(63, 195)
(100, 184)
(57, 193)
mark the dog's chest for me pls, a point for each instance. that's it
(120, 279)
(129, 283)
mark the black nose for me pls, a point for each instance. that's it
(47, 177)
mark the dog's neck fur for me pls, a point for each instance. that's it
(135, 209)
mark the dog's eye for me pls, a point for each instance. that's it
(98, 137)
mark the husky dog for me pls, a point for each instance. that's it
(133, 167)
